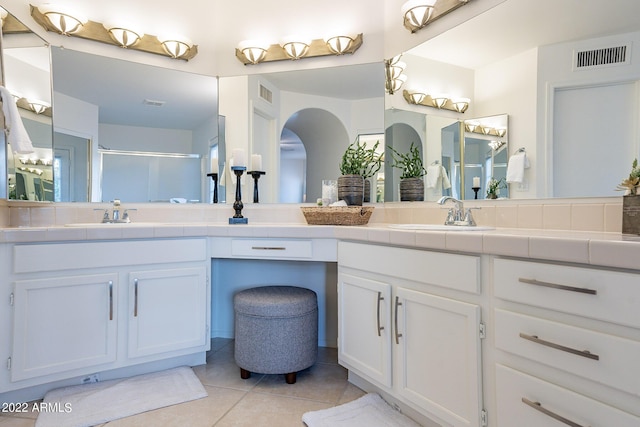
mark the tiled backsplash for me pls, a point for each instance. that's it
(602, 214)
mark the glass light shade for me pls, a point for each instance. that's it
(486, 129)
(501, 131)
(295, 49)
(124, 37)
(417, 97)
(395, 59)
(396, 69)
(63, 20)
(339, 44)
(396, 84)
(176, 48)
(418, 12)
(460, 104)
(439, 100)
(37, 107)
(253, 51)
(471, 126)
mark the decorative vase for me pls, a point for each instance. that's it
(492, 196)
(351, 189)
(411, 190)
(631, 214)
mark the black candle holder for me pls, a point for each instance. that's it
(475, 189)
(256, 177)
(237, 205)
(214, 177)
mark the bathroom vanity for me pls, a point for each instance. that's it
(496, 327)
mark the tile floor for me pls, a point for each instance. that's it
(261, 401)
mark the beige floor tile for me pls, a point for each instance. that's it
(221, 371)
(268, 410)
(202, 412)
(351, 393)
(12, 421)
(322, 382)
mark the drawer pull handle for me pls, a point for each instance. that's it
(268, 248)
(583, 353)
(556, 286)
(398, 334)
(135, 298)
(538, 407)
(110, 299)
(380, 298)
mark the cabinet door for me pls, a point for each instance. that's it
(63, 324)
(364, 327)
(439, 366)
(167, 311)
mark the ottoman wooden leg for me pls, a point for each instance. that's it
(290, 378)
(244, 374)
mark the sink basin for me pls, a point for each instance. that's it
(112, 224)
(440, 227)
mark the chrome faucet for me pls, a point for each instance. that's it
(116, 218)
(457, 215)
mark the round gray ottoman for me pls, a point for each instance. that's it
(276, 330)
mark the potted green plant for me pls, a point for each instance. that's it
(358, 164)
(411, 182)
(494, 186)
(631, 201)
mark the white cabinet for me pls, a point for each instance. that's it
(399, 334)
(568, 342)
(63, 324)
(88, 307)
(166, 310)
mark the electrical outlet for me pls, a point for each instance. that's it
(523, 186)
(93, 378)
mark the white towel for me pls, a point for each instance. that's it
(516, 166)
(437, 177)
(17, 135)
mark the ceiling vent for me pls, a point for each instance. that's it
(609, 56)
(266, 94)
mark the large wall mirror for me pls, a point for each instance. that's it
(521, 58)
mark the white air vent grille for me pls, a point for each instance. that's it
(598, 57)
(266, 94)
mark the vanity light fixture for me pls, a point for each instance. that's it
(124, 37)
(484, 129)
(441, 101)
(37, 107)
(295, 49)
(416, 14)
(63, 22)
(501, 131)
(254, 52)
(394, 79)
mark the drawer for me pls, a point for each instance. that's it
(599, 294)
(272, 248)
(453, 271)
(514, 388)
(31, 258)
(606, 359)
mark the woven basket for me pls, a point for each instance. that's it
(337, 215)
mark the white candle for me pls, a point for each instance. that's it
(214, 165)
(476, 181)
(239, 157)
(256, 162)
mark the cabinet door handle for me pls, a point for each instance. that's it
(110, 299)
(135, 297)
(398, 334)
(268, 248)
(380, 298)
(557, 286)
(538, 407)
(583, 353)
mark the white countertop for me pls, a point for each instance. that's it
(597, 248)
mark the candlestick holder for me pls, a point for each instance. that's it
(475, 189)
(214, 177)
(237, 205)
(256, 177)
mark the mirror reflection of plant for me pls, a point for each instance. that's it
(410, 163)
(360, 160)
(493, 187)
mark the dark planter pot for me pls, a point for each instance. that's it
(351, 189)
(412, 190)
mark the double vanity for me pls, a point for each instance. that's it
(495, 326)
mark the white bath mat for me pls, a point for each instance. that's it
(368, 411)
(97, 403)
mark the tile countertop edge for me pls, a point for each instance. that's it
(597, 248)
